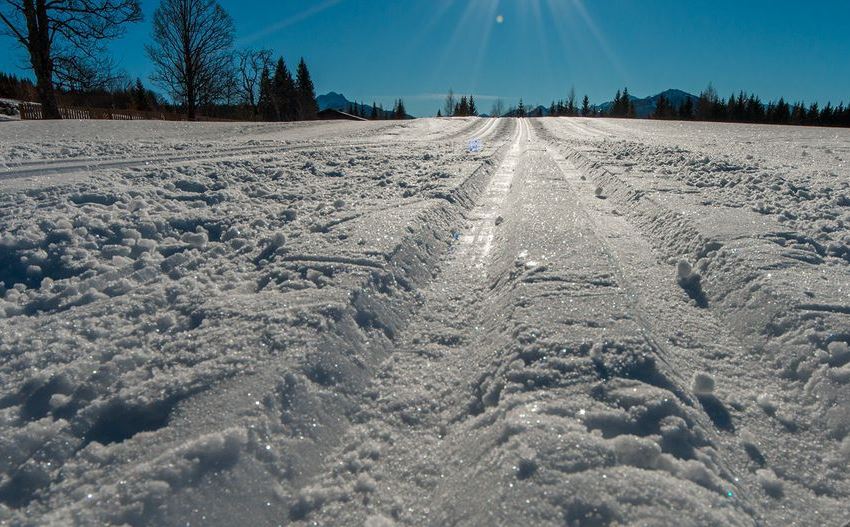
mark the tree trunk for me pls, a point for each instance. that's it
(42, 65)
(191, 102)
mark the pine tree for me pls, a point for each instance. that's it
(585, 106)
(827, 115)
(464, 106)
(783, 112)
(139, 96)
(400, 111)
(572, 110)
(798, 114)
(439, 113)
(553, 111)
(813, 114)
(709, 107)
(374, 114)
(267, 107)
(305, 93)
(686, 110)
(520, 110)
(473, 111)
(627, 108)
(662, 108)
(617, 105)
(284, 93)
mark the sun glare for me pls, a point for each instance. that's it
(472, 31)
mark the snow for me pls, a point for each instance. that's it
(343, 323)
(9, 110)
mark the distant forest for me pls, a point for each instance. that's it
(744, 108)
(282, 97)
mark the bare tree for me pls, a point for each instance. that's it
(498, 108)
(449, 104)
(250, 67)
(65, 40)
(191, 52)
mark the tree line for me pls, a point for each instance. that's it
(280, 97)
(376, 111)
(191, 50)
(454, 107)
(709, 106)
(121, 94)
(749, 108)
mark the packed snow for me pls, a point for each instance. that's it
(577, 322)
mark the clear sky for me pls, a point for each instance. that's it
(536, 49)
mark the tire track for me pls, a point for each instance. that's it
(647, 237)
(529, 392)
(478, 240)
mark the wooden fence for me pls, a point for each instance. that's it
(30, 111)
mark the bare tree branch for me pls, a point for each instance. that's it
(250, 67)
(191, 52)
(65, 40)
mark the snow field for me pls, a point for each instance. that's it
(765, 273)
(160, 292)
(590, 322)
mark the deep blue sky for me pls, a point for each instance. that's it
(417, 49)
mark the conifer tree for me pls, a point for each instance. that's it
(520, 110)
(140, 96)
(660, 107)
(464, 106)
(400, 111)
(284, 93)
(267, 106)
(585, 106)
(708, 105)
(307, 107)
(473, 111)
(616, 106)
(686, 109)
(374, 114)
(627, 108)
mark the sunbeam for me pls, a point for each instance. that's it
(575, 34)
(600, 38)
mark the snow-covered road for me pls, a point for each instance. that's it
(589, 322)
